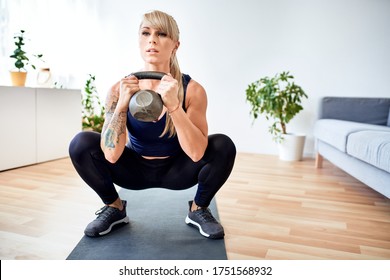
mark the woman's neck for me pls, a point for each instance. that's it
(159, 68)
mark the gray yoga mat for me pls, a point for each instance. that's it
(156, 231)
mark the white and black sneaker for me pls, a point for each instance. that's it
(203, 220)
(107, 217)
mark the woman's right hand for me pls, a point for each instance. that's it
(128, 86)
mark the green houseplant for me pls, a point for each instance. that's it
(279, 99)
(21, 60)
(93, 110)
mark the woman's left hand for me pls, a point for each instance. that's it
(168, 89)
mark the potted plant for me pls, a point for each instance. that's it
(279, 99)
(21, 61)
(93, 110)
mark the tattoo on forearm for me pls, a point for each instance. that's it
(107, 121)
(115, 129)
(108, 139)
(113, 106)
(110, 105)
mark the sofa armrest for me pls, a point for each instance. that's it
(358, 109)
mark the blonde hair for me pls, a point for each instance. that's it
(167, 24)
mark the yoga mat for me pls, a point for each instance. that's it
(156, 231)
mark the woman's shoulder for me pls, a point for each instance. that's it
(196, 94)
(195, 87)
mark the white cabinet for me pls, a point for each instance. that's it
(37, 124)
(17, 127)
(58, 120)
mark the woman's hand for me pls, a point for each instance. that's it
(128, 86)
(168, 89)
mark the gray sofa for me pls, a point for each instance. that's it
(354, 134)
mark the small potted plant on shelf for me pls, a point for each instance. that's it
(279, 99)
(21, 60)
(93, 110)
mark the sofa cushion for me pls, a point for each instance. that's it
(388, 119)
(336, 132)
(356, 109)
(372, 147)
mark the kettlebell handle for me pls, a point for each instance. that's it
(153, 75)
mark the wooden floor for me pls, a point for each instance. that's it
(270, 210)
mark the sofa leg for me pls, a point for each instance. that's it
(319, 160)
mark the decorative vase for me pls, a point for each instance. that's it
(291, 148)
(44, 78)
(18, 78)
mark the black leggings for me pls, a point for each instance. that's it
(132, 171)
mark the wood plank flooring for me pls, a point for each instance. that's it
(270, 209)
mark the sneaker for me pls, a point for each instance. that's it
(107, 217)
(203, 219)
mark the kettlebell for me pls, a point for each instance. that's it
(146, 105)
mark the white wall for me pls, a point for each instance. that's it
(332, 47)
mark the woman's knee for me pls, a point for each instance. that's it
(223, 143)
(85, 141)
(221, 148)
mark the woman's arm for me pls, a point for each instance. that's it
(113, 136)
(191, 126)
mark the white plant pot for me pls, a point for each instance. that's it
(291, 148)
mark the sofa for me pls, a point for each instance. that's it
(353, 133)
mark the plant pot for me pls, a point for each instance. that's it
(291, 148)
(18, 78)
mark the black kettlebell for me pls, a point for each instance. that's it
(146, 105)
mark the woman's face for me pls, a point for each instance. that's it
(155, 46)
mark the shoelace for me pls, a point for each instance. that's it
(104, 213)
(206, 215)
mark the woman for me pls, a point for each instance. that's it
(174, 152)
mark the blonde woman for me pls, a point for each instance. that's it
(174, 152)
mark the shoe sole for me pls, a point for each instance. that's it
(192, 223)
(125, 220)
